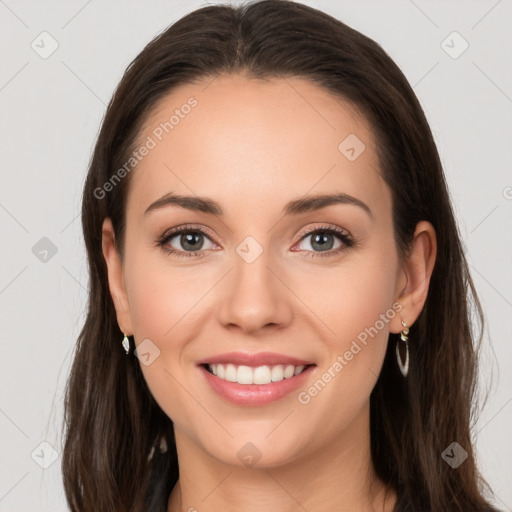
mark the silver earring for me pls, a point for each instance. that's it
(126, 343)
(403, 365)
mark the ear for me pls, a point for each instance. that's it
(116, 277)
(414, 276)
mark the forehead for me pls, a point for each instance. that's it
(249, 142)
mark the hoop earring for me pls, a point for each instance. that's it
(403, 365)
(126, 343)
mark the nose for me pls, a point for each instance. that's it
(255, 297)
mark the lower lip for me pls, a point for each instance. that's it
(255, 394)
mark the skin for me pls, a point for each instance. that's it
(253, 145)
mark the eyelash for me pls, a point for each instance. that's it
(341, 234)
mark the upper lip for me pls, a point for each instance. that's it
(259, 359)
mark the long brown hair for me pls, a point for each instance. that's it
(112, 422)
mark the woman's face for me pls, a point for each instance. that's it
(256, 281)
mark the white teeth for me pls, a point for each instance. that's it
(260, 375)
(298, 369)
(244, 375)
(277, 373)
(288, 371)
(231, 373)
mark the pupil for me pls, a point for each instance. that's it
(188, 239)
(321, 239)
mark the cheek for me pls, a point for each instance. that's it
(161, 296)
(159, 303)
(166, 306)
(355, 301)
(151, 303)
(352, 295)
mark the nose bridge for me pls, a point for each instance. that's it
(255, 297)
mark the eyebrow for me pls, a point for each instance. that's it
(294, 207)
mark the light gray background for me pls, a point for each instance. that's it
(50, 115)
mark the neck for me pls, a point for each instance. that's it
(338, 477)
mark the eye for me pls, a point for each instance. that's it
(191, 240)
(323, 240)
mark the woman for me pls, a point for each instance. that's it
(269, 233)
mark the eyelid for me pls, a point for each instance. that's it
(188, 227)
(323, 226)
(342, 234)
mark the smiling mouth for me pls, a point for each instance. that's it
(265, 374)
